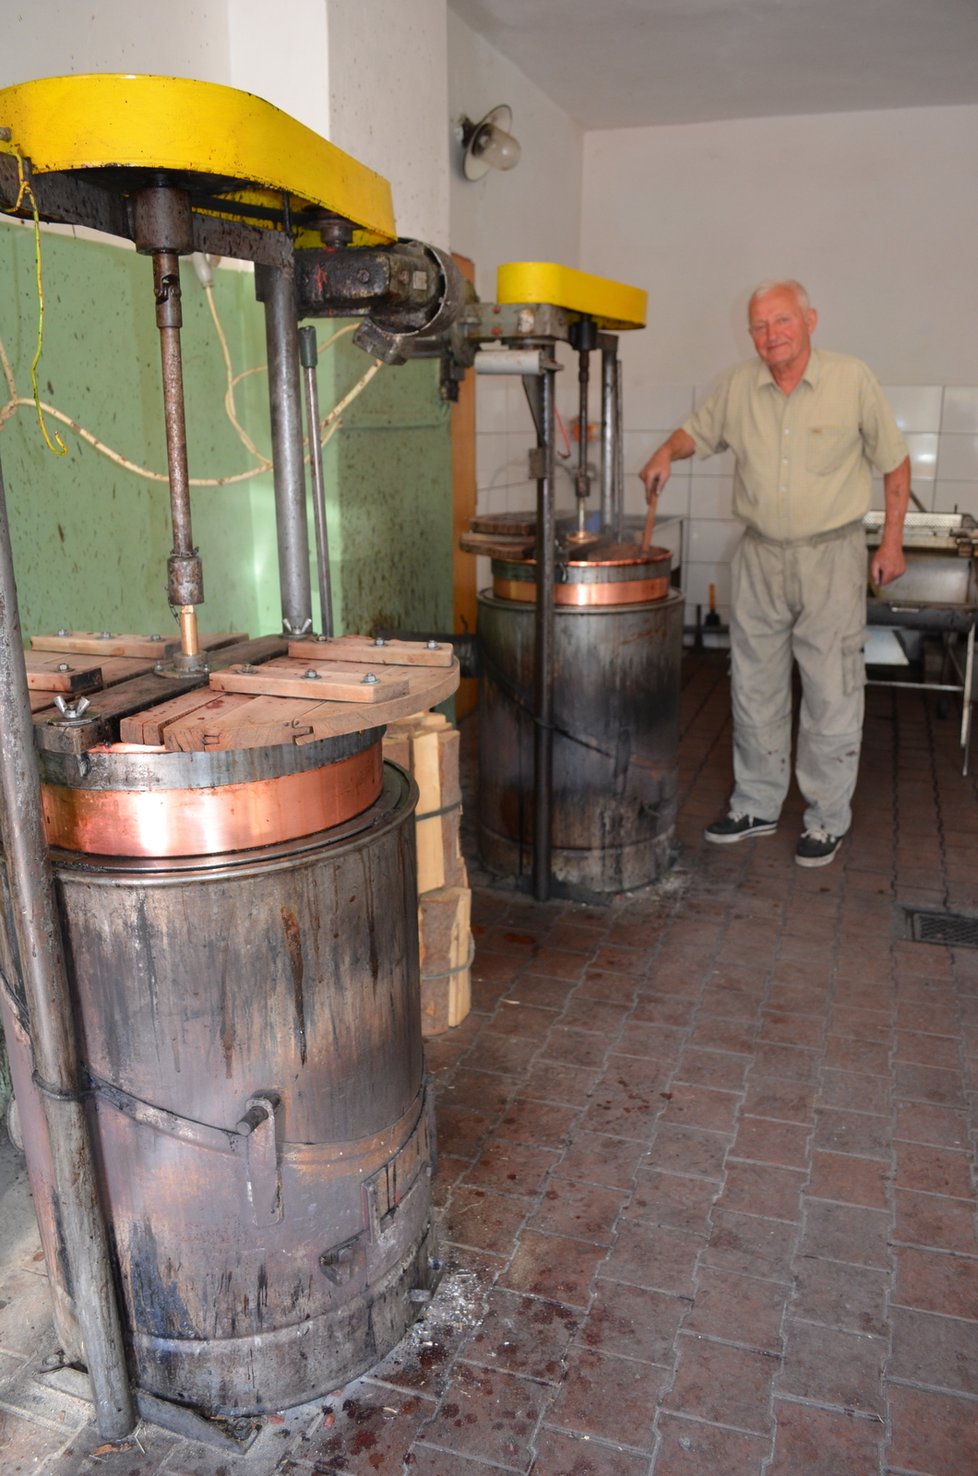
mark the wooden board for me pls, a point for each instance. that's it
(337, 681)
(50, 672)
(197, 706)
(100, 643)
(94, 643)
(269, 720)
(132, 689)
(362, 648)
(445, 948)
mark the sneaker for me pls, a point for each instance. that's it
(735, 827)
(817, 847)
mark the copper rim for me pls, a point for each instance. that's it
(620, 592)
(207, 821)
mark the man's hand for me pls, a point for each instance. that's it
(658, 469)
(887, 563)
(656, 472)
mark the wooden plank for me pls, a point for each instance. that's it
(179, 733)
(253, 650)
(216, 639)
(95, 643)
(150, 725)
(336, 681)
(107, 709)
(250, 722)
(445, 947)
(288, 720)
(102, 643)
(117, 669)
(50, 672)
(362, 648)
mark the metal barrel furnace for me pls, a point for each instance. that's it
(250, 1028)
(617, 647)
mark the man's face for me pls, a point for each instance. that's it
(781, 330)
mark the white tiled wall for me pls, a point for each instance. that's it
(939, 423)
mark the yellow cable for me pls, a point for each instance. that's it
(328, 425)
(24, 189)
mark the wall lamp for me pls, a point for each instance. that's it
(489, 144)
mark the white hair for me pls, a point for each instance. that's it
(785, 284)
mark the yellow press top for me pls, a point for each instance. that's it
(249, 151)
(613, 305)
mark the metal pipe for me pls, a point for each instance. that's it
(544, 642)
(619, 476)
(275, 288)
(607, 436)
(185, 586)
(309, 357)
(509, 361)
(57, 1071)
(582, 482)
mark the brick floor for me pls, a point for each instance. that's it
(707, 1172)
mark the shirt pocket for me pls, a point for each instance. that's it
(827, 448)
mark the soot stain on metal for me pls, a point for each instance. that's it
(261, 1300)
(293, 943)
(228, 1033)
(157, 1304)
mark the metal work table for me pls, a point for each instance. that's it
(937, 595)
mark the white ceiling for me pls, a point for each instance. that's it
(637, 63)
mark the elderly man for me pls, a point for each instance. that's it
(805, 427)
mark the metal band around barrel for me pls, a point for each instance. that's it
(620, 592)
(209, 821)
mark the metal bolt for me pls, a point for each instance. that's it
(53, 1360)
(370, 680)
(379, 641)
(246, 669)
(363, 275)
(432, 646)
(311, 675)
(159, 668)
(156, 638)
(62, 632)
(105, 635)
(63, 666)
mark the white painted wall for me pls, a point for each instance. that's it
(530, 213)
(873, 211)
(389, 102)
(53, 38)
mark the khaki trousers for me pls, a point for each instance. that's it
(804, 601)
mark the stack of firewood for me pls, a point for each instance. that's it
(427, 747)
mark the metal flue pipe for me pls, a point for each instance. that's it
(57, 1070)
(275, 288)
(309, 357)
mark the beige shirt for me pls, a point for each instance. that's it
(803, 461)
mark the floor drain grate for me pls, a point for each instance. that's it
(950, 928)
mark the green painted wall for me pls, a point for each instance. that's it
(91, 538)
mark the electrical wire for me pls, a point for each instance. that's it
(329, 425)
(24, 190)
